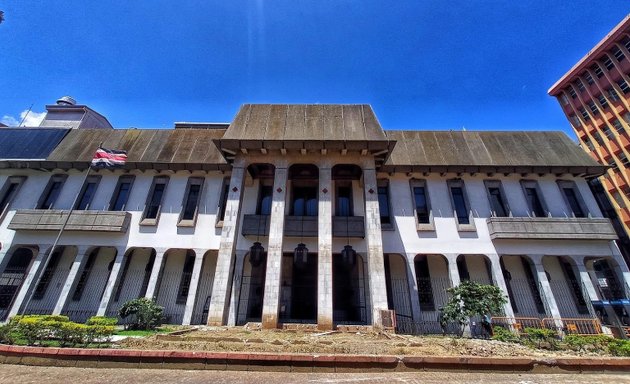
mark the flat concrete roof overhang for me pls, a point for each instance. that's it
(45, 165)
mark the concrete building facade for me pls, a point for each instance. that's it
(305, 214)
(595, 97)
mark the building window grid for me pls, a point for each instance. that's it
(121, 193)
(598, 71)
(192, 197)
(87, 193)
(572, 93)
(51, 192)
(153, 205)
(383, 203)
(612, 94)
(618, 54)
(608, 132)
(623, 86)
(9, 191)
(618, 126)
(589, 78)
(623, 159)
(602, 101)
(580, 85)
(593, 107)
(608, 63)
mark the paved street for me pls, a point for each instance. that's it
(17, 374)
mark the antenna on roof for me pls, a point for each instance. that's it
(25, 115)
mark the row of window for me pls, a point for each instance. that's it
(304, 198)
(498, 202)
(606, 129)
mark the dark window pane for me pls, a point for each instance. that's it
(8, 196)
(184, 282)
(156, 199)
(304, 201)
(422, 207)
(51, 196)
(191, 202)
(534, 202)
(383, 205)
(461, 210)
(223, 203)
(266, 197)
(121, 198)
(344, 201)
(574, 203)
(86, 198)
(44, 281)
(496, 202)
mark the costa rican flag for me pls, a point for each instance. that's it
(108, 158)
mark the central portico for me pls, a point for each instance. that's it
(304, 186)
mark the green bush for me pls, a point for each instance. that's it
(593, 343)
(539, 338)
(102, 320)
(31, 328)
(145, 314)
(6, 333)
(71, 334)
(99, 333)
(618, 347)
(505, 335)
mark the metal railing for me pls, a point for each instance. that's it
(570, 326)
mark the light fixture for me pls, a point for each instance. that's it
(300, 256)
(348, 256)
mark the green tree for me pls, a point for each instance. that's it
(145, 313)
(470, 299)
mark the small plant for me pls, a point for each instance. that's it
(102, 320)
(540, 337)
(505, 335)
(6, 333)
(470, 299)
(593, 343)
(146, 314)
(30, 327)
(619, 347)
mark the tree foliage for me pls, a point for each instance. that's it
(470, 299)
(146, 314)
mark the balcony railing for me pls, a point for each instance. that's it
(53, 219)
(552, 228)
(304, 226)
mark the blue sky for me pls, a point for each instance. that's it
(479, 64)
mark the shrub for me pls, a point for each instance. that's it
(505, 335)
(619, 347)
(146, 314)
(540, 337)
(6, 333)
(102, 320)
(71, 334)
(470, 299)
(593, 343)
(30, 327)
(98, 333)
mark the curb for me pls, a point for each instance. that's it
(235, 361)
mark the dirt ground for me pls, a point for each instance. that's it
(236, 339)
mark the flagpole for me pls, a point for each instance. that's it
(52, 249)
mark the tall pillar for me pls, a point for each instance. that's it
(585, 279)
(453, 272)
(194, 286)
(271, 297)
(625, 272)
(156, 269)
(324, 249)
(112, 281)
(236, 287)
(545, 289)
(33, 272)
(376, 263)
(499, 281)
(416, 311)
(220, 300)
(79, 259)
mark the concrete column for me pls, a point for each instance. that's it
(158, 263)
(32, 273)
(376, 264)
(499, 281)
(194, 286)
(416, 311)
(453, 272)
(79, 259)
(220, 300)
(112, 281)
(625, 272)
(324, 249)
(545, 289)
(236, 287)
(587, 283)
(271, 297)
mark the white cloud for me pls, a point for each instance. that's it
(33, 119)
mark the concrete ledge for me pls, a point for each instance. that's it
(129, 358)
